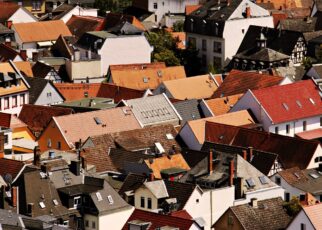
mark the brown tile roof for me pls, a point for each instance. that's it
(7, 9)
(222, 105)
(41, 31)
(5, 119)
(114, 19)
(139, 66)
(311, 134)
(12, 167)
(23, 67)
(77, 91)
(149, 78)
(78, 25)
(37, 117)
(270, 214)
(241, 118)
(191, 8)
(289, 149)
(293, 175)
(74, 128)
(197, 87)
(166, 162)
(10, 121)
(7, 53)
(314, 213)
(239, 82)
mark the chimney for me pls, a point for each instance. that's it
(151, 176)
(35, 56)
(74, 167)
(320, 167)
(250, 152)
(247, 12)
(37, 156)
(253, 202)
(23, 54)
(210, 161)
(245, 154)
(9, 24)
(228, 2)
(14, 195)
(30, 209)
(231, 172)
(8, 42)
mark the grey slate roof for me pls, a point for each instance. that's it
(294, 73)
(132, 182)
(189, 110)
(299, 24)
(5, 30)
(154, 110)
(265, 55)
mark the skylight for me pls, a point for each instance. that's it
(98, 121)
(263, 179)
(42, 205)
(99, 196)
(285, 106)
(55, 202)
(110, 199)
(145, 80)
(312, 101)
(299, 103)
(169, 136)
(250, 182)
(297, 175)
(314, 176)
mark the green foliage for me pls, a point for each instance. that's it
(307, 63)
(111, 5)
(213, 69)
(178, 26)
(293, 207)
(165, 50)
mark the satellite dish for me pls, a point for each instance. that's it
(8, 178)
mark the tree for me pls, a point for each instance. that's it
(178, 26)
(293, 207)
(307, 63)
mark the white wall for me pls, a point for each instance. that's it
(287, 187)
(21, 16)
(144, 192)
(79, 70)
(44, 99)
(128, 49)
(298, 220)
(205, 109)
(115, 220)
(79, 11)
(14, 110)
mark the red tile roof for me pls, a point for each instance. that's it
(290, 102)
(7, 53)
(37, 117)
(277, 17)
(289, 149)
(12, 167)
(311, 134)
(7, 9)
(79, 25)
(181, 214)
(5, 119)
(158, 220)
(77, 91)
(240, 81)
(191, 8)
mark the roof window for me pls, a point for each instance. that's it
(285, 106)
(98, 121)
(312, 101)
(110, 199)
(250, 182)
(314, 176)
(55, 202)
(263, 179)
(99, 196)
(42, 205)
(299, 103)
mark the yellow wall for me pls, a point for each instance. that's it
(22, 132)
(53, 133)
(28, 5)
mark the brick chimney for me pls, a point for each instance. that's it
(9, 24)
(14, 196)
(37, 156)
(253, 202)
(210, 167)
(23, 54)
(231, 172)
(248, 13)
(250, 153)
(151, 176)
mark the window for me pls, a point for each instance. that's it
(6, 103)
(58, 145)
(149, 203)
(22, 99)
(304, 125)
(287, 128)
(36, 5)
(155, 5)
(320, 121)
(278, 180)
(49, 94)
(5, 139)
(66, 223)
(287, 197)
(217, 47)
(192, 42)
(49, 143)
(303, 226)
(77, 201)
(14, 101)
(204, 44)
(94, 224)
(276, 129)
(142, 202)
(155, 18)
(86, 223)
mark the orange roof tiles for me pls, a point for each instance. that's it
(181, 36)
(24, 67)
(197, 87)
(41, 31)
(191, 8)
(311, 134)
(74, 128)
(166, 162)
(314, 213)
(142, 79)
(222, 105)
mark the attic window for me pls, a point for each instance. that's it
(250, 182)
(285, 106)
(299, 103)
(314, 176)
(85, 94)
(169, 136)
(98, 121)
(312, 101)
(263, 179)
(99, 196)
(145, 80)
(42, 205)
(110, 199)
(297, 175)
(55, 202)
